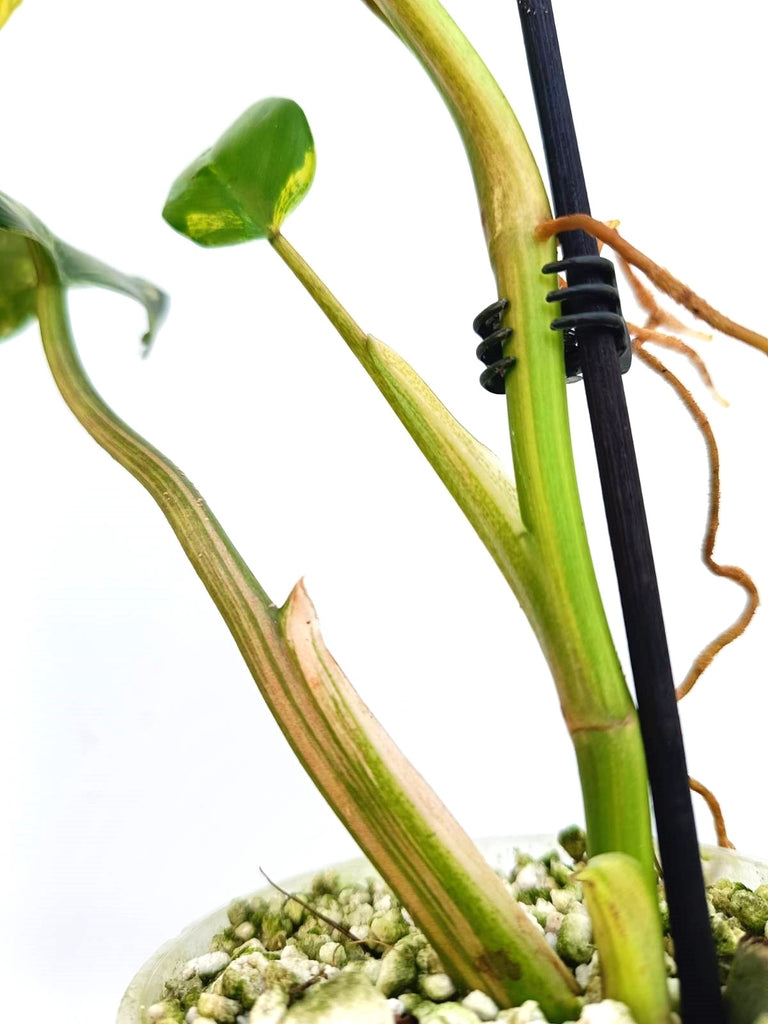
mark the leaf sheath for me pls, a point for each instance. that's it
(461, 904)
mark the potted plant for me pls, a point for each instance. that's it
(466, 471)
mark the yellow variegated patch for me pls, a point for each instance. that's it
(200, 224)
(295, 189)
(7, 7)
(245, 185)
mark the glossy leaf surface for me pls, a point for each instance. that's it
(243, 187)
(18, 278)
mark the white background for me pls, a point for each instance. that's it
(143, 780)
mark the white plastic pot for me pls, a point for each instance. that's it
(147, 986)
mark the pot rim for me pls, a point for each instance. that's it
(146, 986)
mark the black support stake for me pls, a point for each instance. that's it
(628, 529)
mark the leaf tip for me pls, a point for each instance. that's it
(156, 303)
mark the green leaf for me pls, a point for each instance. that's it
(7, 7)
(18, 278)
(244, 185)
(627, 928)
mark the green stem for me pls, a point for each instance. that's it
(473, 475)
(458, 900)
(596, 704)
(568, 615)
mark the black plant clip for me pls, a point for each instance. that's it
(590, 299)
(490, 351)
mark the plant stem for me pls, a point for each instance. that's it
(563, 601)
(632, 553)
(595, 701)
(457, 899)
(472, 474)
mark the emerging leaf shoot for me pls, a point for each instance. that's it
(244, 186)
(626, 923)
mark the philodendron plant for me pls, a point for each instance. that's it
(241, 189)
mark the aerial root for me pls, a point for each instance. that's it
(669, 341)
(629, 258)
(731, 572)
(657, 316)
(657, 275)
(715, 810)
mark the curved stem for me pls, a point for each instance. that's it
(568, 615)
(458, 900)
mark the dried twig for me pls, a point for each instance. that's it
(374, 946)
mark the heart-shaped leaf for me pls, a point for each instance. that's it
(18, 279)
(244, 185)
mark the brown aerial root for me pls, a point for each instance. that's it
(731, 572)
(657, 315)
(657, 275)
(715, 810)
(669, 341)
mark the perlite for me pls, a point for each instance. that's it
(245, 931)
(269, 1008)
(446, 1013)
(751, 909)
(533, 876)
(397, 973)
(164, 1010)
(481, 1004)
(332, 953)
(219, 1008)
(388, 926)
(436, 987)
(206, 966)
(243, 981)
(727, 935)
(528, 1013)
(238, 912)
(608, 1012)
(574, 941)
(346, 998)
